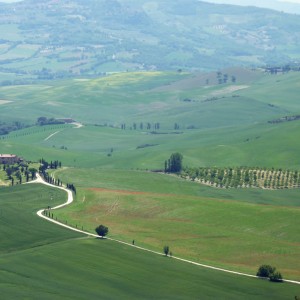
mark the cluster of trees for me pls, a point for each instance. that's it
(174, 163)
(46, 165)
(176, 126)
(19, 172)
(285, 119)
(224, 78)
(71, 187)
(267, 271)
(41, 121)
(244, 177)
(7, 128)
(50, 179)
(282, 69)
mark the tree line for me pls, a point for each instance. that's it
(6, 128)
(45, 165)
(241, 177)
(145, 126)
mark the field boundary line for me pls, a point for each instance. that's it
(70, 200)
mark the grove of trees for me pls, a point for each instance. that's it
(267, 271)
(174, 163)
(241, 177)
(19, 172)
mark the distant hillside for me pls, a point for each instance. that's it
(54, 39)
(288, 6)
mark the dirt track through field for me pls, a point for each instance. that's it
(51, 135)
(40, 213)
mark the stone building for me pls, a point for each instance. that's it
(9, 159)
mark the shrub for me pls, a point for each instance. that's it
(265, 271)
(276, 277)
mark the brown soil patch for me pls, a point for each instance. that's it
(126, 192)
(4, 102)
(118, 191)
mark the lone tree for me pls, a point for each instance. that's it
(102, 230)
(166, 250)
(174, 163)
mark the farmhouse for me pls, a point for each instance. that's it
(9, 159)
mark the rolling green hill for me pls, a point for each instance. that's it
(218, 125)
(40, 260)
(50, 40)
(132, 122)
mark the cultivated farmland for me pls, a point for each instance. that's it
(131, 123)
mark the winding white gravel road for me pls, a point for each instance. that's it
(70, 200)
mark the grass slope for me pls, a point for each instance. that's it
(20, 227)
(228, 130)
(89, 146)
(237, 229)
(64, 266)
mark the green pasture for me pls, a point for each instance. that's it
(91, 268)
(10, 76)
(148, 182)
(20, 51)
(238, 229)
(11, 32)
(20, 228)
(91, 146)
(41, 260)
(280, 90)
(152, 97)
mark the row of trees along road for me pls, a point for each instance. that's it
(56, 181)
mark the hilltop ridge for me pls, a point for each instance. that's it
(58, 39)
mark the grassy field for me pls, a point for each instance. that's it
(89, 146)
(227, 130)
(20, 227)
(152, 97)
(46, 261)
(237, 229)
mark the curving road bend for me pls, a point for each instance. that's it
(70, 200)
